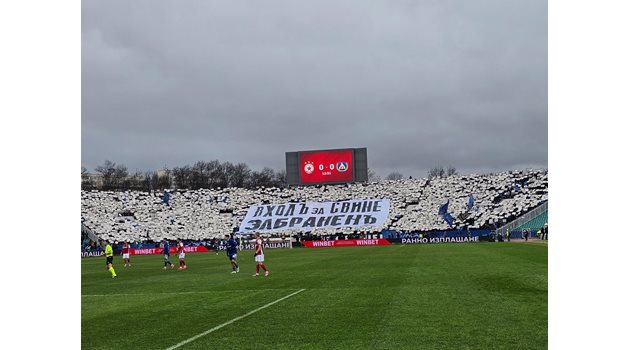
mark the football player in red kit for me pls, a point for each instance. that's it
(182, 255)
(259, 256)
(125, 254)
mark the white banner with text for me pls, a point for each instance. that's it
(308, 216)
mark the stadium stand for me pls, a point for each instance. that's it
(210, 213)
(534, 224)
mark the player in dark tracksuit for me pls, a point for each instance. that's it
(167, 254)
(232, 248)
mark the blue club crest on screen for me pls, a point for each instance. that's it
(342, 166)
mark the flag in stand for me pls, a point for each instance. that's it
(471, 202)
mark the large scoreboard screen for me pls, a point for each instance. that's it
(327, 166)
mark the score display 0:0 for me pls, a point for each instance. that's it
(332, 166)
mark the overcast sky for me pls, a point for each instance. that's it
(419, 83)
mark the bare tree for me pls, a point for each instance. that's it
(87, 183)
(216, 173)
(149, 182)
(120, 179)
(280, 178)
(199, 176)
(238, 174)
(436, 172)
(107, 168)
(135, 182)
(451, 171)
(182, 177)
(113, 175)
(121, 171)
(202, 174)
(268, 177)
(261, 178)
(164, 179)
(394, 176)
(372, 177)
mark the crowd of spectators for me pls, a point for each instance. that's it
(206, 214)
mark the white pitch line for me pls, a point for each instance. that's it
(232, 321)
(178, 293)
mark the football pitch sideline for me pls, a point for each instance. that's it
(455, 296)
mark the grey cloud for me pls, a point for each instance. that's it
(419, 83)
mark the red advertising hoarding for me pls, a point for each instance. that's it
(172, 250)
(345, 243)
(326, 166)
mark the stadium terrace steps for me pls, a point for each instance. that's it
(210, 213)
(534, 224)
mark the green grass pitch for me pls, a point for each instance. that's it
(441, 296)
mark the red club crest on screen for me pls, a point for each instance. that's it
(326, 166)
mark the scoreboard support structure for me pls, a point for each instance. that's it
(332, 166)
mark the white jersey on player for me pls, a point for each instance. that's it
(260, 251)
(180, 250)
